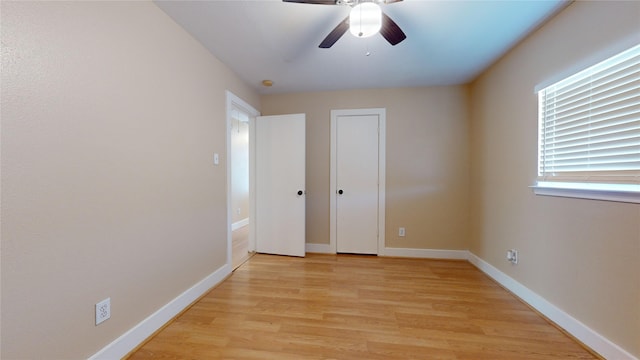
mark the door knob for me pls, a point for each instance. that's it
(340, 191)
(300, 192)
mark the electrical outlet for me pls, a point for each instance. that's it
(512, 256)
(103, 310)
(401, 232)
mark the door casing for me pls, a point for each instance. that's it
(381, 113)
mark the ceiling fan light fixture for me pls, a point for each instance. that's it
(365, 19)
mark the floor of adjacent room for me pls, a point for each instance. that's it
(240, 246)
(359, 307)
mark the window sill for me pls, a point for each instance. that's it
(606, 192)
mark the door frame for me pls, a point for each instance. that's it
(235, 101)
(381, 113)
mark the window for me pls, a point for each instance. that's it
(589, 131)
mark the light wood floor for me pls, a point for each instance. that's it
(240, 246)
(359, 307)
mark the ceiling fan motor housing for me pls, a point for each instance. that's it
(365, 19)
(353, 3)
(382, 23)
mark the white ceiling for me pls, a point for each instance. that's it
(448, 42)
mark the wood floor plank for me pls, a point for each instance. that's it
(359, 307)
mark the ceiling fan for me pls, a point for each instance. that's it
(366, 18)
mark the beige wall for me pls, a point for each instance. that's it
(111, 114)
(581, 255)
(426, 160)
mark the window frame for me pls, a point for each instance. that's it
(564, 185)
(591, 191)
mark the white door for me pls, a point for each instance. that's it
(280, 184)
(357, 177)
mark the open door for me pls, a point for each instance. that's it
(280, 184)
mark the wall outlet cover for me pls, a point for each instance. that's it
(103, 310)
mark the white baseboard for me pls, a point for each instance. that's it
(239, 224)
(318, 248)
(136, 335)
(400, 252)
(426, 253)
(580, 331)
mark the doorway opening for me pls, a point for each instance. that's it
(240, 195)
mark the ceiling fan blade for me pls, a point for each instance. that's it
(391, 31)
(391, 1)
(335, 34)
(319, 2)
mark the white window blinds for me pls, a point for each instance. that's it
(589, 124)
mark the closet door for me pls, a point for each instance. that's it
(357, 189)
